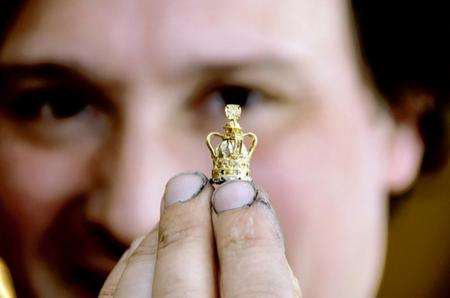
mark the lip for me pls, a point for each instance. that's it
(80, 252)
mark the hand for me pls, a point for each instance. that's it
(234, 248)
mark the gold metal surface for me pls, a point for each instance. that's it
(231, 158)
(6, 285)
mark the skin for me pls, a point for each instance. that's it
(83, 187)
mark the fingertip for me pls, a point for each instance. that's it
(233, 195)
(183, 187)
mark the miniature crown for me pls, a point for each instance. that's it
(231, 158)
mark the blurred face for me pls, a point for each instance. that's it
(103, 101)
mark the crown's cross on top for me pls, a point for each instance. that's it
(233, 112)
(231, 158)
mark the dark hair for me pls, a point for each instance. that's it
(402, 46)
(8, 12)
(402, 43)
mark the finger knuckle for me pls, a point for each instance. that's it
(245, 232)
(180, 232)
(180, 291)
(263, 292)
(145, 251)
(142, 255)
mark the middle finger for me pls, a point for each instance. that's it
(250, 244)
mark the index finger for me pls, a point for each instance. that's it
(185, 262)
(250, 244)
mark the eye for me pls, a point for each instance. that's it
(50, 104)
(234, 94)
(210, 102)
(57, 114)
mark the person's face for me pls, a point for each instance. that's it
(106, 100)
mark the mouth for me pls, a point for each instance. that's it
(80, 252)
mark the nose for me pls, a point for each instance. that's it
(132, 172)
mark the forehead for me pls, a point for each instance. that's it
(152, 34)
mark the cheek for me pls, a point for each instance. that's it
(320, 162)
(35, 182)
(325, 182)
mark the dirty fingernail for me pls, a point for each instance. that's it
(183, 187)
(232, 195)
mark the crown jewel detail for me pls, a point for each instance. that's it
(231, 158)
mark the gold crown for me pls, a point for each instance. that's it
(6, 285)
(231, 158)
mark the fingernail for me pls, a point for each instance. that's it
(232, 195)
(184, 187)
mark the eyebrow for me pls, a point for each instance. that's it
(241, 64)
(275, 72)
(49, 74)
(45, 71)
